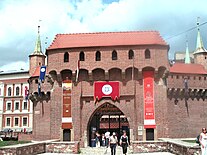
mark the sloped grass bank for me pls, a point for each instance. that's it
(8, 143)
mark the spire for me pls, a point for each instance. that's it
(199, 46)
(38, 49)
(187, 55)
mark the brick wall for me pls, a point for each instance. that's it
(41, 147)
(25, 137)
(159, 146)
(83, 107)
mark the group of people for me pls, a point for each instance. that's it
(124, 143)
(111, 141)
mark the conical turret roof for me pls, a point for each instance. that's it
(187, 55)
(38, 48)
(199, 46)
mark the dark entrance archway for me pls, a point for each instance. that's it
(107, 118)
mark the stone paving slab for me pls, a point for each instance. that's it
(154, 153)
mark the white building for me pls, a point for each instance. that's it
(16, 111)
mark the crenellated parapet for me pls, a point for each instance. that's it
(182, 93)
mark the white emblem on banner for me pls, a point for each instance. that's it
(107, 89)
(42, 69)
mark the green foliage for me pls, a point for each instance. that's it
(7, 143)
(190, 141)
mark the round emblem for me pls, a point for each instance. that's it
(107, 89)
(148, 85)
(42, 69)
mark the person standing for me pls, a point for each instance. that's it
(107, 135)
(203, 142)
(93, 139)
(103, 140)
(113, 142)
(124, 142)
(98, 139)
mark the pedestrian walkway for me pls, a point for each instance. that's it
(154, 153)
(106, 151)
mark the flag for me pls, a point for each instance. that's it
(39, 89)
(42, 73)
(133, 68)
(186, 84)
(78, 67)
(106, 89)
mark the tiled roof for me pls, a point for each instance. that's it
(107, 39)
(36, 72)
(14, 72)
(183, 68)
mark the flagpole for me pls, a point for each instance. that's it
(134, 88)
(186, 93)
(78, 66)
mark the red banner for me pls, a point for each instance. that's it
(149, 114)
(106, 89)
(66, 117)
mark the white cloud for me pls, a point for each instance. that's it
(19, 21)
(15, 66)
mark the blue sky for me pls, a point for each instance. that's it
(19, 20)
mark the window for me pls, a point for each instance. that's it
(25, 105)
(24, 121)
(131, 54)
(16, 121)
(9, 91)
(147, 54)
(8, 121)
(17, 91)
(36, 81)
(114, 55)
(17, 106)
(66, 57)
(98, 56)
(8, 107)
(82, 56)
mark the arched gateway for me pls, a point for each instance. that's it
(107, 117)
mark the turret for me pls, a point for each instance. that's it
(187, 55)
(37, 58)
(200, 54)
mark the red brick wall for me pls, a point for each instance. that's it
(83, 108)
(186, 118)
(201, 59)
(36, 60)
